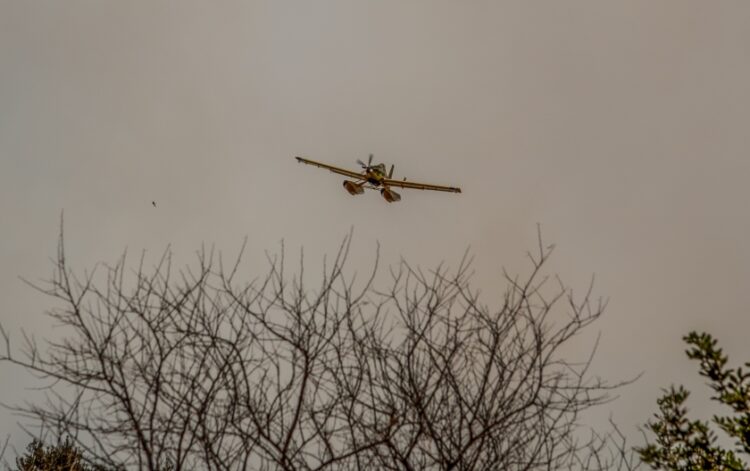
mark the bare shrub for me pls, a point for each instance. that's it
(194, 369)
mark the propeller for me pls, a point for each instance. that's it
(366, 166)
(390, 173)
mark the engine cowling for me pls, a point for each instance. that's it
(353, 188)
(390, 195)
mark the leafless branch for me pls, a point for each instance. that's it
(158, 368)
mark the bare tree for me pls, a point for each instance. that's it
(188, 369)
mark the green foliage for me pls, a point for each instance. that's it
(62, 457)
(684, 444)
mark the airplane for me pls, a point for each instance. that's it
(374, 177)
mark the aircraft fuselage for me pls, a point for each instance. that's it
(376, 174)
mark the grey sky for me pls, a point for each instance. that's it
(622, 127)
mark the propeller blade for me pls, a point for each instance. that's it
(390, 174)
(361, 163)
(369, 161)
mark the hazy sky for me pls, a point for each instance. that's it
(623, 128)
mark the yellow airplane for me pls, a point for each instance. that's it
(375, 178)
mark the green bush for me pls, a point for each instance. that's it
(685, 444)
(61, 457)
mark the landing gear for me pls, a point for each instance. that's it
(354, 188)
(390, 195)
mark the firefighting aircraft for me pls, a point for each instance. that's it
(374, 177)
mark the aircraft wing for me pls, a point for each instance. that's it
(420, 186)
(340, 171)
